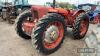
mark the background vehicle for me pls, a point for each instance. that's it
(10, 10)
(6, 12)
(47, 26)
(93, 11)
(22, 4)
(0, 10)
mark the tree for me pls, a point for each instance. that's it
(67, 5)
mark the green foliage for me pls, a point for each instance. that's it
(62, 5)
(98, 3)
(67, 5)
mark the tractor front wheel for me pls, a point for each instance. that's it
(49, 33)
(81, 26)
(24, 24)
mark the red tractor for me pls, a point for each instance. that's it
(46, 26)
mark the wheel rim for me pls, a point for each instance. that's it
(83, 27)
(53, 35)
(27, 26)
(96, 20)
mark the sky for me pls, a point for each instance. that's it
(41, 2)
(70, 1)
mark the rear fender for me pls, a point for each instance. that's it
(77, 12)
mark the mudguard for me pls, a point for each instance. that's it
(77, 12)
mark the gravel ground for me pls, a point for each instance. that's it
(13, 45)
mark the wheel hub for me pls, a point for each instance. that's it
(83, 27)
(51, 34)
(27, 26)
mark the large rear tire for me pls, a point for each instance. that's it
(19, 21)
(81, 26)
(42, 35)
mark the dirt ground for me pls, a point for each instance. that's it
(13, 45)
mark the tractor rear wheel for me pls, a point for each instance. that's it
(49, 33)
(24, 24)
(81, 26)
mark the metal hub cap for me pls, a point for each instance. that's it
(83, 27)
(27, 26)
(51, 34)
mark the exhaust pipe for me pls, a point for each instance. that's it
(54, 3)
